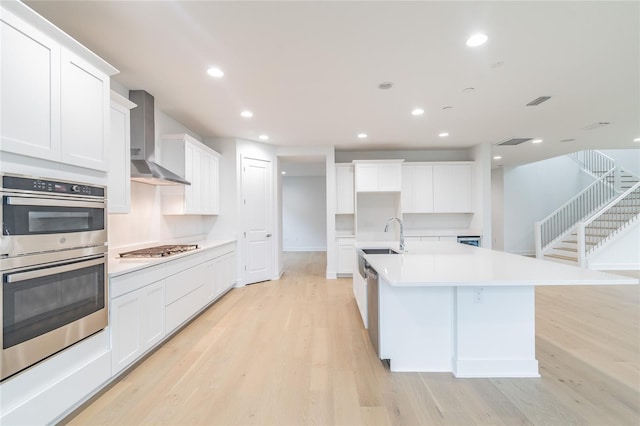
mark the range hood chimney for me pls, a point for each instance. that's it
(143, 168)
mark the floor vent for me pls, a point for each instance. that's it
(539, 100)
(514, 141)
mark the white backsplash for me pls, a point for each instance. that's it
(146, 224)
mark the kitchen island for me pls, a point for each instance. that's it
(466, 310)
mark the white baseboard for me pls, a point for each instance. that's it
(331, 275)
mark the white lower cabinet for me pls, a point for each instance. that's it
(137, 324)
(149, 304)
(346, 255)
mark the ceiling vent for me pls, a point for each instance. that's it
(514, 141)
(596, 125)
(539, 100)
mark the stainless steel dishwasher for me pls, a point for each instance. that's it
(372, 308)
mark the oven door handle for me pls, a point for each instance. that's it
(51, 202)
(43, 272)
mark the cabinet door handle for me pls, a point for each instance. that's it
(268, 235)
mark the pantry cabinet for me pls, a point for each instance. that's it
(119, 183)
(55, 103)
(378, 175)
(344, 189)
(199, 165)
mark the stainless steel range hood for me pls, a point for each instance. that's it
(143, 168)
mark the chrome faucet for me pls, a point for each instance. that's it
(386, 229)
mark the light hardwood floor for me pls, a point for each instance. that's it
(295, 352)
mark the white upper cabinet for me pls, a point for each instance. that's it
(119, 183)
(436, 188)
(344, 189)
(85, 113)
(55, 101)
(30, 81)
(378, 175)
(199, 165)
(452, 188)
(417, 188)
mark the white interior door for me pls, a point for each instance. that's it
(257, 207)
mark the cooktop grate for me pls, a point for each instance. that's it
(160, 251)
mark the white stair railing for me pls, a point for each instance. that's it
(596, 231)
(593, 162)
(579, 208)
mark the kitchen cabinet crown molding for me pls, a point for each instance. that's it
(375, 161)
(121, 100)
(27, 14)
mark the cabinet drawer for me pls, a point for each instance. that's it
(178, 265)
(186, 307)
(183, 283)
(132, 281)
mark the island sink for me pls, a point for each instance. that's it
(379, 251)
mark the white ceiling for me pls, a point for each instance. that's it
(309, 71)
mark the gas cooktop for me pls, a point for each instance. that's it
(160, 251)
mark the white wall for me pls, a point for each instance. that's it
(626, 158)
(533, 191)
(304, 214)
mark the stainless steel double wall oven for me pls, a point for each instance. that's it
(53, 260)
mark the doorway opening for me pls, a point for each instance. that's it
(303, 211)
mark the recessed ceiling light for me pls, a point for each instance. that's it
(417, 111)
(497, 157)
(443, 134)
(362, 135)
(283, 172)
(447, 108)
(246, 114)
(567, 140)
(469, 90)
(385, 85)
(215, 72)
(263, 137)
(536, 141)
(636, 140)
(477, 40)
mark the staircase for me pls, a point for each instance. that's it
(594, 217)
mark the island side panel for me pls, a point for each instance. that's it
(494, 332)
(416, 327)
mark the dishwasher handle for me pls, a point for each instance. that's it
(371, 274)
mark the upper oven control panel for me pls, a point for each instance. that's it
(50, 186)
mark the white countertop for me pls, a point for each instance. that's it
(118, 266)
(438, 264)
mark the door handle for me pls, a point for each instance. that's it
(268, 235)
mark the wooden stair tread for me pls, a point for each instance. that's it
(559, 256)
